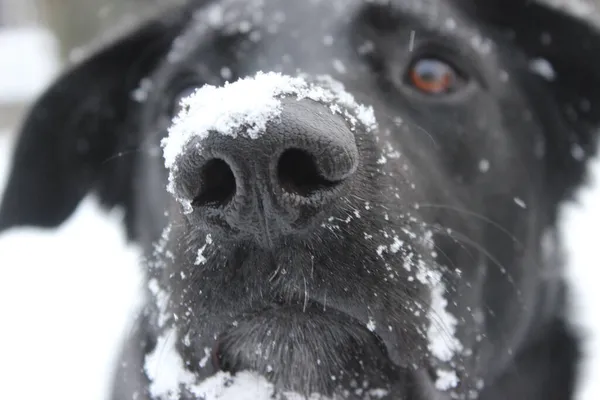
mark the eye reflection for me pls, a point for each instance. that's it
(432, 76)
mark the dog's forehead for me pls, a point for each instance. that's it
(315, 29)
(318, 15)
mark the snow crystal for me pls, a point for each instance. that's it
(245, 26)
(519, 202)
(543, 68)
(395, 247)
(201, 259)
(365, 48)
(411, 44)
(378, 393)
(450, 24)
(577, 152)
(441, 334)
(243, 386)
(161, 299)
(484, 165)
(371, 325)
(140, 94)
(339, 66)
(446, 379)
(328, 40)
(165, 368)
(226, 73)
(481, 44)
(213, 15)
(204, 360)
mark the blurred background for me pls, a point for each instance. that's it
(38, 37)
(65, 306)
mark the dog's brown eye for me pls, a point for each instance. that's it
(432, 76)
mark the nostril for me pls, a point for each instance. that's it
(217, 184)
(299, 174)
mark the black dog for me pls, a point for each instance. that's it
(391, 238)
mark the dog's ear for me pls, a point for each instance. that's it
(563, 58)
(78, 136)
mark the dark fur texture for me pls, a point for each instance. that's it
(310, 294)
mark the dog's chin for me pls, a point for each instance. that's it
(305, 350)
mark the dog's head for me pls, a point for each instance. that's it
(370, 214)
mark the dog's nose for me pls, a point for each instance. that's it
(276, 181)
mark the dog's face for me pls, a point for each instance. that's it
(333, 250)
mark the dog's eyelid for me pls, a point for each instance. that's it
(410, 39)
(463, 60)
(380, 16)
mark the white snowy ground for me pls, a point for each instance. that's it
(67, 296)
(580, 225)
(65, 300)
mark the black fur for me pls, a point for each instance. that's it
(481, 175)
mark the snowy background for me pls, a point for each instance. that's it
(67, 296)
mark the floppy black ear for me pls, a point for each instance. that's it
(70, 142)
(570, 95)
